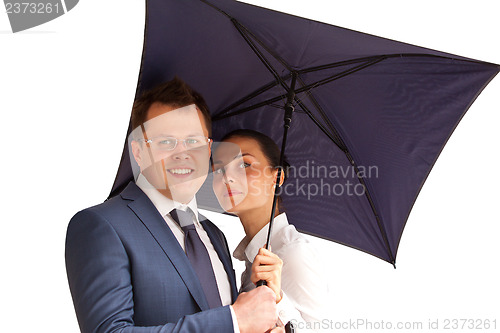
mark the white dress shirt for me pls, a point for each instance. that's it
(303, 282)
(165, 205)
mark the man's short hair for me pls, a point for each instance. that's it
(174, 93)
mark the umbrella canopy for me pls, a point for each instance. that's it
(371, 115)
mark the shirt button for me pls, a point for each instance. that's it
(282, 313)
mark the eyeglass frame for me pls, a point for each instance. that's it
(207, 140)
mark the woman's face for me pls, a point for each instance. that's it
(243, 178)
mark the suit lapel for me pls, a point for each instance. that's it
(222, 250)
(154, 222)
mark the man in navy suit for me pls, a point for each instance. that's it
(125, 258)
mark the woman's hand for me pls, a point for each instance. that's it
(267, 266)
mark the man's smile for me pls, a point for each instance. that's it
(180, 171)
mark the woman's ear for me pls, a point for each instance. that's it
(282, 176)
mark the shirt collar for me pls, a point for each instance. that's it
(163, 204)
(248, 249)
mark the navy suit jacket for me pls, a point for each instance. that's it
(128, 273)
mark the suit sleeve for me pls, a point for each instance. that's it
(98, 272)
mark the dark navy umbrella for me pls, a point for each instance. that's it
(371, 115)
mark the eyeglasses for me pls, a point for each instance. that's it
(168, 143)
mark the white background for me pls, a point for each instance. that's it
(66, 90)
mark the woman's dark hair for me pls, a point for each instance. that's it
(268, 147)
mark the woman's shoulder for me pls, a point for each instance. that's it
(291, 243)
(296, 249)
(284, 234)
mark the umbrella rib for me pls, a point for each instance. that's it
(248, 97)
(340, 143)
(342, 74)
(250, 108)
(372, 206)
(338, 64)
(300, 90)
(397, 55)
(254, 49)
(259, 54)
(268, 49)
(235, 21)
(217, 8)
(370, 62)
(331, 136)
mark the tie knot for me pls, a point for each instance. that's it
(183, 219)
(188, 227)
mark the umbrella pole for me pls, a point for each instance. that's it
(286, 125)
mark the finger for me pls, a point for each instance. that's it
(268, 257)
(275, 268)
(273, 281)
(266, 268)
(269, 277)
(261, 259)
(266, 252)
(261, 276)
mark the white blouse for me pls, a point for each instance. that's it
(303, 281)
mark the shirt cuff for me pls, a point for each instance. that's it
(287, 311)
(235, 321)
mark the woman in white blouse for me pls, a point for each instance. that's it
(244, 184)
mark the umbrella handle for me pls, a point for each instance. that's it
(287, 120)
(261, 283)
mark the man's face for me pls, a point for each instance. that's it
(180, 172)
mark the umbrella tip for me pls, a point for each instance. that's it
(394, 264)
